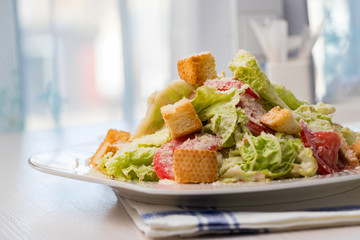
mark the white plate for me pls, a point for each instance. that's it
(71, 162)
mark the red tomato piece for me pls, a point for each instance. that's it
(202, 141)
(256, 128)
(164, 159)
(325, 146)
(227, 84)
(248, 102)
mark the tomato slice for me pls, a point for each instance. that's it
(227, 84)
(164, 157)
(325, 146)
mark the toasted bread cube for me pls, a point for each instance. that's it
(152, 121)
(181, 118)
(195, 166)
(347, 152)
(281, 120)
(197, 68)
(111, 143)
(356, 147)
(114, 135)
(103, 149)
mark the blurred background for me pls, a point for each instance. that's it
(69, 63)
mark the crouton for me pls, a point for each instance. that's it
(103, 149)
(112, 143)
(195, 166)
(281, 120)
(356, 147)
(347, 152)
(153, 120)
(197, 68)
(181, 118)
(114, 136)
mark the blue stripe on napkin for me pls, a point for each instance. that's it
(165, 213)
(236, 223)
(216, 220)
(200, 223)
(224, 221)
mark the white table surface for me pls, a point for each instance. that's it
(35, 205)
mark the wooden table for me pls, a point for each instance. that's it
(34, 205)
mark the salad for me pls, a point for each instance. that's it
(211, 128)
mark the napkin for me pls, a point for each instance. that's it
(160, 221)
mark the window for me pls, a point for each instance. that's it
(72, 64)
(87, 62)
(337, 54)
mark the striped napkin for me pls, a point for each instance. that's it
(165, 221)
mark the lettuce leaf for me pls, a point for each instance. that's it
(153, 140)
(350, 135)
(288, 97)
(314, 116)
(117, 165)
(266, 154)
(246, 69)
(141, 173)
(231, 171)
(267, 157)
(305, 164)
(153, 120)
(219, 110)
(325, 109)
(135, 161)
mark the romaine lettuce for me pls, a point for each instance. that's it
(141, 173)
(325, 109)
(314, 116)
(230, 170)
(246, 69)
(142, 156)
(153, 140)
(153, 120)
(350, 135)
(219, 110)
(288, 97)
(305, 164)
(268, 156)
(135, 161)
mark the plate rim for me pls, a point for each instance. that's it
(234, 189)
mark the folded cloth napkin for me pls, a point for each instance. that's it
(165, 221)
